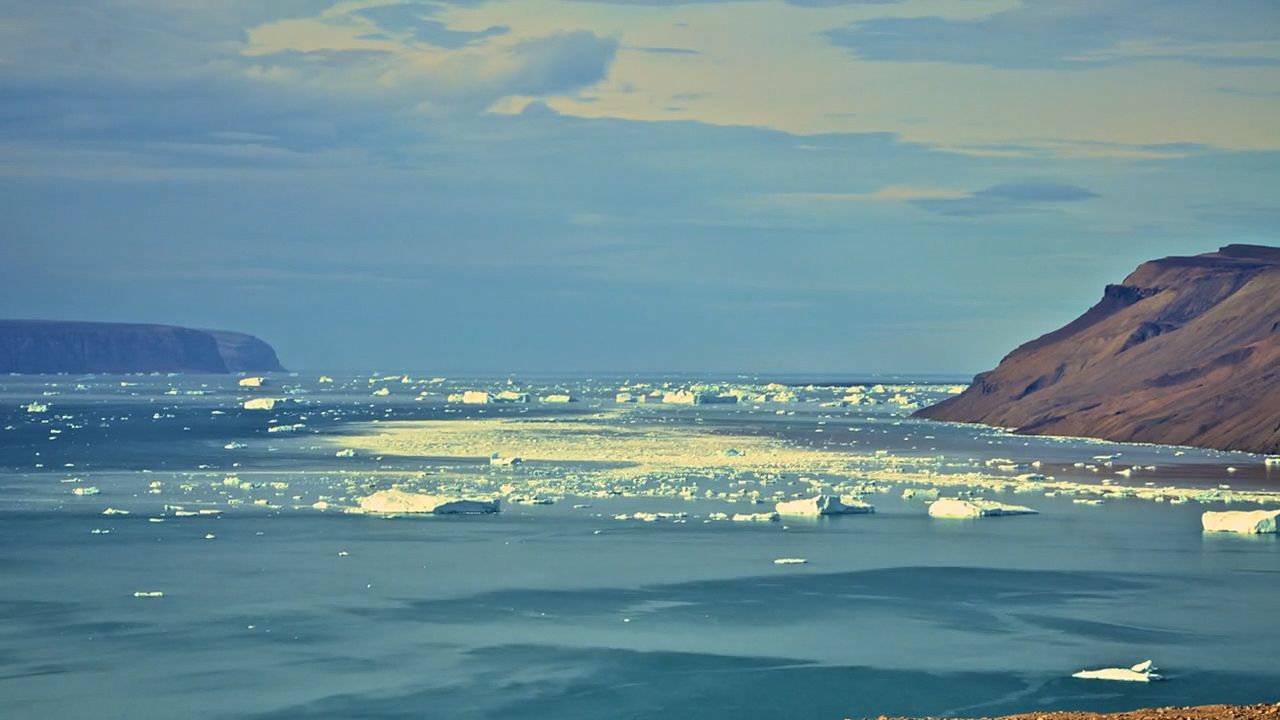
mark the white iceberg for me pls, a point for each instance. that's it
(253, 382)
(1142, 672)
(790, 561)
(957, 508)
(1251, 522)
(823, 505)
(397, 502)
(264, 403)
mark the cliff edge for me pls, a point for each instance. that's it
(1185, 351)
(47, 346)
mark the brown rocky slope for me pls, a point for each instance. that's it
(1186, 351)
(1264, 711)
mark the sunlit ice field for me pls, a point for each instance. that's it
(204, 546)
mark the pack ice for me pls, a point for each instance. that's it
(1142, 672)
(398, 502)
(1251, 522)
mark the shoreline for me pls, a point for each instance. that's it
(1260, 711)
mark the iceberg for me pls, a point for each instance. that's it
(1250, 522)
(790, 561)
(252, 382)
(397, 502)
(265, 403)
(1142, 672)
(823, 505)
(957, 508)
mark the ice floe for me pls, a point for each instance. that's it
(400, 502)
(823, 505)
(1142, 672)
(959, 508)
(1249, 522)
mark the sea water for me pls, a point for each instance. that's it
(277, 610)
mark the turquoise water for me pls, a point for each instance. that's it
(562, 612)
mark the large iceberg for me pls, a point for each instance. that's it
(957, 508)
(1142, 672)
(823, 505)
(399, 502)
(1250, 522)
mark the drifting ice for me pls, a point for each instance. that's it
(957, 508)
(1249, 522)
(823, 505)
(1142, 672)
(260, 404)
(396, 502)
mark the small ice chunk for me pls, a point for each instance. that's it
(957, 508)
(91, 490)
(347, 453)
(1249, 522)
(790, 561)
(1142, 672)
(756, 517)
(148, 594)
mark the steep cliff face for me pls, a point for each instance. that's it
(245, 353)
(38, 346)
(1185, 351)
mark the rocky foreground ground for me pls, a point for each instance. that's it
(1268, 711)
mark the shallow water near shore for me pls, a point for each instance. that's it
(563, 610)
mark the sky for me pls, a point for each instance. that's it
(785, 186)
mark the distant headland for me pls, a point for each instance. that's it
(1186, 351)
(51, 346)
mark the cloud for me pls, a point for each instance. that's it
(413, 20)
(1078, 35)
(1011, 197)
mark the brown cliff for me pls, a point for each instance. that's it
(1185, 351)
